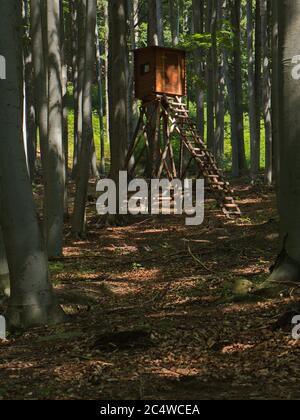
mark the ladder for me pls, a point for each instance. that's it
(179, 117)
(175, 116)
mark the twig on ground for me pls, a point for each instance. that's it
(199, 262)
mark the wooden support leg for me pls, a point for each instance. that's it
(181, 159)
(173, 166)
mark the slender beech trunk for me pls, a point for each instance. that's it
(258, 92)
(78, 222)
(220, 93)
(198, 23)
(155, 38)
(231, 99)
(210, 79)
(251, 90)
(132, 107)
(100, 100)
(275, 94)
(238, 148)
(174, 21)
(155, 23)
(106, 37)
(30, 116)
(37, 21)
(267, 91)
(217, 77)
(32, 301)
(55, 168)
(81, 21)
(117, 77)
(64, 82)
(74, 43)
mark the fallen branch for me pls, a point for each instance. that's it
(199, 262)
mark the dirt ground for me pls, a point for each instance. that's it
(169, 289)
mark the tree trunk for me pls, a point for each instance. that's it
(251, 90)
(155, 23)
(287, 78)
(29, 115)
(55, 168)
(198, 21)
(174, 21)
(117, 78)
(257, 86)
(106, 24)
(275, 94)
(37, 17)
(220, 101)
(100, 99)
(155, 38)
(81, 21)
(64, 82)
(78, 223)
(32, 301)
(132, 106)
(94, 164)
(74, 48)
(238, 147)
(267, 92)
(210, 79)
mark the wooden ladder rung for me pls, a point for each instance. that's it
(212, 176)
(230, 206)
(181, 110)
(218, 183)
(173, 102)
(234, 213)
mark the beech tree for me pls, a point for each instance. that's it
(275, 98)
(37, 22)
(78, 85)
(31, 301)
(198, 22)
(155, 37)
(117, 82)
(235, 91)
(174, 21)
(286, 72)
(257, 90)
(267, 111)
(155, 23)
(55, 162)
(78, 224)
(132, 106)
(30, 136)
(251, 91)
(210, 75)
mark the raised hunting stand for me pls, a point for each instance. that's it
(160, 84)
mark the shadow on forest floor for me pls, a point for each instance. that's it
(205, 343)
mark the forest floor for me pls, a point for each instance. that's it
(169, 290)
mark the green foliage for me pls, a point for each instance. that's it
(195, 41)
(191, 42)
